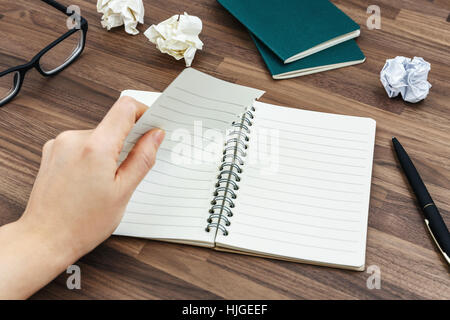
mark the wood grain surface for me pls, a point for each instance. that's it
(122, 268)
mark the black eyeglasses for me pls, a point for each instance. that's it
(52, 59)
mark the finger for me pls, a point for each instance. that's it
(46, 151)
(115, 126)
(140, 159)
(70, 140)
(73, 135)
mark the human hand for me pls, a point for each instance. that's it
(80, 193)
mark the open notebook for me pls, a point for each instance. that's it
(287, 183)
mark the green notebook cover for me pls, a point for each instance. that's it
(338, 56)
(293, 29)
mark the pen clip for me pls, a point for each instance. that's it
(440, 249)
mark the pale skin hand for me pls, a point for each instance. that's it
(77, 201)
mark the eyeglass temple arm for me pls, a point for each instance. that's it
(58, 6)
(62, 8)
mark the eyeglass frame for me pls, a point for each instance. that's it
(34, 62)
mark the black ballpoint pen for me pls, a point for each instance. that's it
(433, 218)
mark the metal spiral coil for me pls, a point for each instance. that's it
(231, 165)
(229, 174)
(234, 184)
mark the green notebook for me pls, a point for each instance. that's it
(341, 55)
(294, 29)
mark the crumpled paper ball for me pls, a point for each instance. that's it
(177, 36)
(407, 77)
(121, 12)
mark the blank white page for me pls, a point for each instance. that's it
(173, 200)
(310, 201)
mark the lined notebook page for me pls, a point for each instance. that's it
(172, 201)
(310, 201)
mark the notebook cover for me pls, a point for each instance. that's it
(289, 27)
(347, 51)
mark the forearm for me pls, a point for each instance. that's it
(29, 259)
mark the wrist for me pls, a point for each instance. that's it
(28, 259)
(49, 244)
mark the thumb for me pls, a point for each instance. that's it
(140, 159)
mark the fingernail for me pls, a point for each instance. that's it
(158, 136)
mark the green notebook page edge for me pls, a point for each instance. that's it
(299, 23)
(347, 51)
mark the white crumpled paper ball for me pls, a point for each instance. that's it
(121, 12)
(177, 36)
(407, 77)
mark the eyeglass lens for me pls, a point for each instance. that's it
(62, 54)
(8, 85)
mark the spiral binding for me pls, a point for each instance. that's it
(229, 174)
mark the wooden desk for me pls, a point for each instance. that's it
(398, 242)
